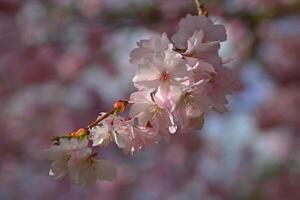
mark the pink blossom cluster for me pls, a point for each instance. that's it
(178, 81)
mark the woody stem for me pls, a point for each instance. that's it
(95, 123)
(201, 9)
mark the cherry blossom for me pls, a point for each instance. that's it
(162, 73)
(61, 154)
(147, 49)
(64, 61)
(192, 106)
(222, 84)
(75, 157)
(84, 169)
(111, 129)
(143, 137)
(152, 111)
(177, 84)
(200, 28)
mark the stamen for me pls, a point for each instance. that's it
(155, 110)
(164, 76)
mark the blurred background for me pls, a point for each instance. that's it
(64, 61)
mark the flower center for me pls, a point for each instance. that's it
(165, 76)
(155, 110)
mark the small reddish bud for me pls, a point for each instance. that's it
(73, 134)
(80, 132)
(120, 105)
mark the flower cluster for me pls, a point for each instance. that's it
(74, 156)
(177, 82)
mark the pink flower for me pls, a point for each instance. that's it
(73, 156)
(111, 129)
(177, 85)
(223, 83)
(60, 154)
(167, 74)
(193, 104)
(201, 70)
(151, 111)
(143, 137)
(84, 169)
(206, 51)
(147, 49)
(125, 133)
(200, 38)
(199, 27)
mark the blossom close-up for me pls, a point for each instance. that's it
(149, 100)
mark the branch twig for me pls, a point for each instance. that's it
(95, 123)
(201, 9)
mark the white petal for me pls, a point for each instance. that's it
(82, 143)
(59, 168)
(138, 108)
(80, 154)
(146, 73)
(53, 153)
(99, 135)
(73, 143)
(205, 66)
(168, 95)
(121, 140)
(137, 55)
(142, 96)
(148, 49)
(194, 41)
(83, 173)
(196, 46)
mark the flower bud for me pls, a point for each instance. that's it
(120, 105)
(82, 132)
